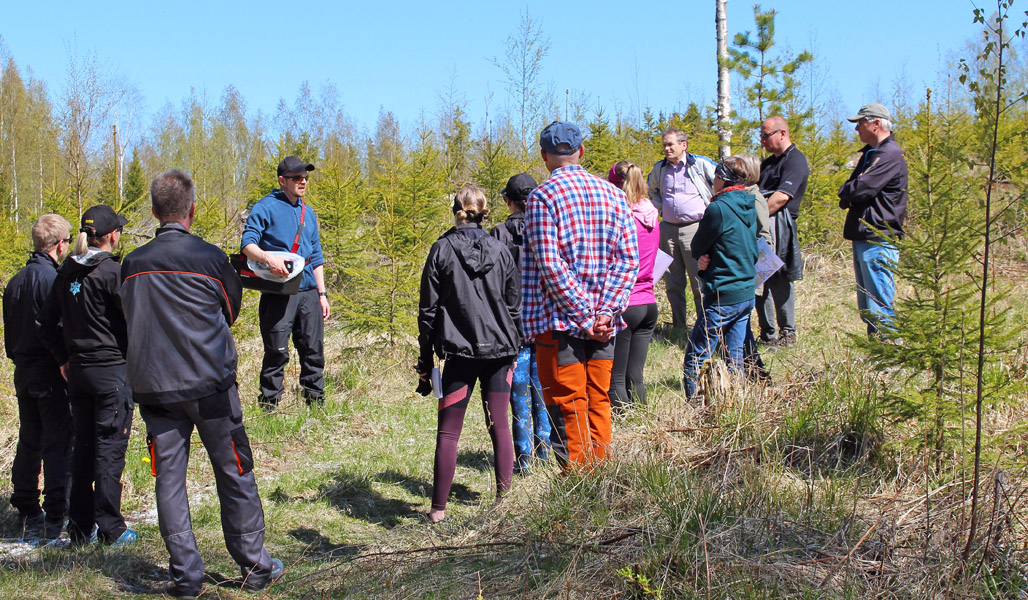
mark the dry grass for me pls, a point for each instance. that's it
(798, 489)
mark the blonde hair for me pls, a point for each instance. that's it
(749, 168)
(634, 184)
(48, 230)
(469, 205)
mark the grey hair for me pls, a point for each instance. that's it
(682, 136)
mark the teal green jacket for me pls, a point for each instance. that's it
(728, 233)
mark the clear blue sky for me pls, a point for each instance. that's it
(402, 55)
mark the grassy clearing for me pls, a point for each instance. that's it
(795, 490)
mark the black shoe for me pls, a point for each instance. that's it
(52, 528)
(30, 528)
(267, 404)
(277, 569)
(176, 592)
(312, 400)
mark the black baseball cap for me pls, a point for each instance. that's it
(291, 164)
(519, 187)
(101, 220)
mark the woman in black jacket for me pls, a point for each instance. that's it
(530, 422)
(469, 315)
(82, 325)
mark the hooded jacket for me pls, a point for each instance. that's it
(81, 322)
(24, 296)
(728, 233)
(470, 298)
(512, 233)
(876, 193)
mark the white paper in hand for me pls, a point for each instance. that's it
(294, 264)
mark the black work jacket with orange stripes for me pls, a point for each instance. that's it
(180, 296)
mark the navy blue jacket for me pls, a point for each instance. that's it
(180, 296)
(24, 296)
(272, 225)
(876, 193)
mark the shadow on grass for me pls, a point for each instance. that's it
(417, 487)
(355, 497)
(479, 460)
(317, 545)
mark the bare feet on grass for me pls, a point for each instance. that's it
(434, 516)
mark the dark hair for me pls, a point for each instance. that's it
(171, 194)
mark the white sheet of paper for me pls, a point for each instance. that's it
(662, 261)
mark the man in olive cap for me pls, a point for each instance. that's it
(875, 197)
(282, 221)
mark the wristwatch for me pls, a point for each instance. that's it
(325, 294)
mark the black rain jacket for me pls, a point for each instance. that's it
(876, 194)
(25, 294)
(81, 321)
(470, 298)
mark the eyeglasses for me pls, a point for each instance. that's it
(764, 135)
(66, 241)
(297, 178)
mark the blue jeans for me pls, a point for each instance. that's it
(875, 288)
(724, 323)
(531, 423)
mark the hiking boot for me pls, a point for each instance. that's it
(267, 404)
(313, 400)
(52, 528)
(277, 569)
(31, 528)
(176, 592)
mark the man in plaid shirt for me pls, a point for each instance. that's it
(579, 266)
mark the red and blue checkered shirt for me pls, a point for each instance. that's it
(581, 255)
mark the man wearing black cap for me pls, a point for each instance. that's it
(579, 264)
(875, 197)
(282, 221)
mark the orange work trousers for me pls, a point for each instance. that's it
(575, 376)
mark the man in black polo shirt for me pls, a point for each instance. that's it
(783, 181)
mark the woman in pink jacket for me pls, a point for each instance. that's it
(633, 342)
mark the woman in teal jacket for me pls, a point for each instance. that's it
(726, 240)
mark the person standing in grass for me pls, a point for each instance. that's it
(531, 424)
(633, 342)
(578, 268)
(725, 246)
(44, 432)
(875, 198)
(181, 296)
(470, 315)
(83, 327)
(282, 221)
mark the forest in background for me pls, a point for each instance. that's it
(383, 196)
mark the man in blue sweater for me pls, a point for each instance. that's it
(282, 221)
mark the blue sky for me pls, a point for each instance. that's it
(402, 55)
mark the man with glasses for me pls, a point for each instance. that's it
(875, 197)
(680, 186)
(43, 410)
(282, 221)
(783, 181)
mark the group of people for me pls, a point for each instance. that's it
(551, 312)
(562, 300)
(91, 338)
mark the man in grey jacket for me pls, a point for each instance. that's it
(180, 296)
(680, 186)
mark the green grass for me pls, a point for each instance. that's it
(768, 492)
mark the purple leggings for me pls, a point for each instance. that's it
(459, 377)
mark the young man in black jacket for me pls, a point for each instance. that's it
(180, 295)
(875, 197)
(43, 411)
